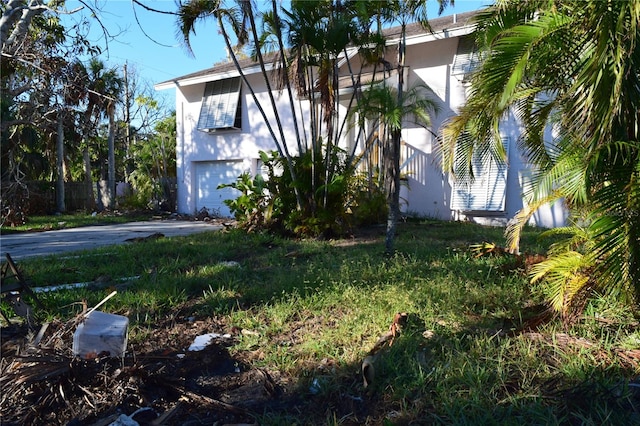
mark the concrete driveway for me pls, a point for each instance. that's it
(23, 245)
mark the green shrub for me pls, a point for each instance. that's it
(334, 197)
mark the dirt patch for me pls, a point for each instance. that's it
(362, 235)
(159, 380)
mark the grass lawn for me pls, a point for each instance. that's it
(476, 347)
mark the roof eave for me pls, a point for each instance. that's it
(208, 75)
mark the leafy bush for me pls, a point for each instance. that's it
(251, 208)
(330, 207)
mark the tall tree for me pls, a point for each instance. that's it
(571, 67)
(38, 84)
(402, 12)
(153, 157)
(191, 11)
(380, 103)
(102, 89)
(319, 35)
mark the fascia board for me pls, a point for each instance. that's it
(425, 38)
(351, 52)
(210, 77)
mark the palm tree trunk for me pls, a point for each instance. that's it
(285, 148)
(285, 69)
(279, 146)
(393, 158)
(90, 202)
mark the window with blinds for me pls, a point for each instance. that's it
(487, 192)
(466, 60)
(221, 109)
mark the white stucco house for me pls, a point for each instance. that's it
(220, 133)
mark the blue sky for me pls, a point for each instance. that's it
(151, 46)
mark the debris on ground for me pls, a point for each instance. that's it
(152, 237)
(385, 341)
(46, 384)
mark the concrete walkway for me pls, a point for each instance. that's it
(23, 245)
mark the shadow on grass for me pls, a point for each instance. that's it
(313, 309)
(431, 378)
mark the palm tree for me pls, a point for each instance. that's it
(321, 34)
(382, 104)
(318, 34)
(103, 86)
(404, 12)
(570, 66)
(191, 11)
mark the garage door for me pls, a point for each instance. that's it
(211, 174)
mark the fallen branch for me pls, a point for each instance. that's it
(208, 400)
(629, 357)
(386, 340)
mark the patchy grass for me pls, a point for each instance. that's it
(471, 352)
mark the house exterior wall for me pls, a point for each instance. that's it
(195, 146)
(429, 61)
(430, 189)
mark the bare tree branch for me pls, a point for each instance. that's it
(144, 6)
(15, 21)
(135, 14)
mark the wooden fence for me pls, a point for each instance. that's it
(39, 197)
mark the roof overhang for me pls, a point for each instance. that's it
(210, 75)
(229, 70)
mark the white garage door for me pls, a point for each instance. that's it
(211, 174)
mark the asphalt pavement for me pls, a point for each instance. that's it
(24, 245)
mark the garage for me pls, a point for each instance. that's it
(209, 175)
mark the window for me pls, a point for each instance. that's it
(488, 190)
(220, 108)
(466, 60)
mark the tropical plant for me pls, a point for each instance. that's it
(267, 202)
(98, 93)
(251, 207)
(320, 36)
(242, 21)
(191, 11)
(569, 68)
(39, 90)
(153, 164)
(402, 12)
(54, 108)
(381, 103)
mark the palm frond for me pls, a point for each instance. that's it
(565, 275)
(513, 231)
(189, 13)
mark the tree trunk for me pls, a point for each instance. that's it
(392, 165)
(90, 202)
(281, 147)
(392, 158)
(127, 119)
(60, 207)
(283, 58)
(15, 20)
(112, 159)
(274, 107)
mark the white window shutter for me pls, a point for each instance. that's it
(466, 59)
(488, 190)
(220, 105)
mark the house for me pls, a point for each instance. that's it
(220, 133)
